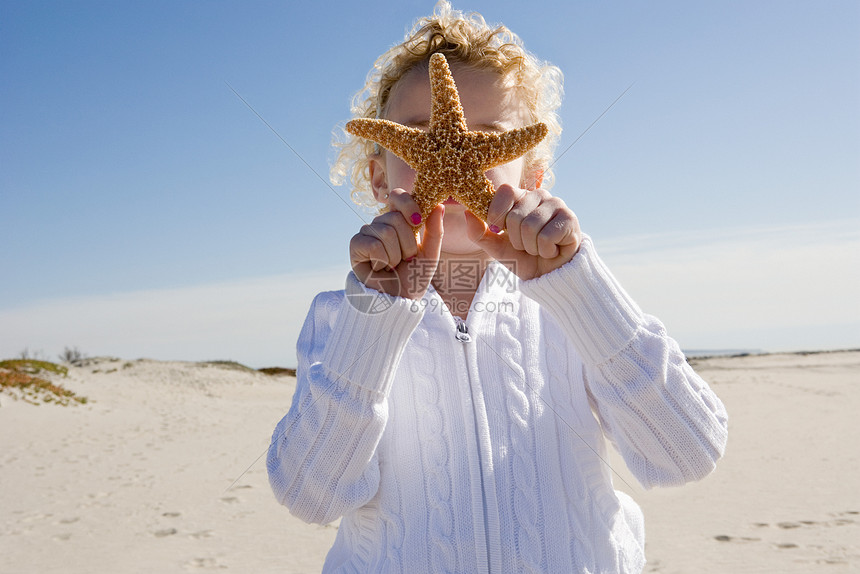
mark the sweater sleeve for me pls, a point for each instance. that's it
(322, 459)
(665, 421)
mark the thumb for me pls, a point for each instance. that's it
(433, 231)
(478, 232)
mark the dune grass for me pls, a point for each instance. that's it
(18, 379)
(229, 365)
(271, 371)
(276, 371)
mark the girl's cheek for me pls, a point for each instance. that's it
(400, 175)
(510, 173)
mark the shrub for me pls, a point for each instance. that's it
(72, 355)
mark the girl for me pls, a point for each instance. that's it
(461, 425)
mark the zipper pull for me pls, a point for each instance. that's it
(462, 333)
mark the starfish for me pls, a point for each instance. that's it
(448, 159)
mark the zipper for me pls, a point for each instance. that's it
(461, 334)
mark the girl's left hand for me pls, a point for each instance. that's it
(537, 233)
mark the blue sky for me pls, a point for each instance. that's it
(146, 211)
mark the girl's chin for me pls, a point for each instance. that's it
(455, 211)
(454, 207)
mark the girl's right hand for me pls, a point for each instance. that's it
(385, 254)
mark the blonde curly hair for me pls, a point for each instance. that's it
(466, 39)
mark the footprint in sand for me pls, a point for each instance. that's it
(71, 520)
(726, 538)
(36, 517)
(790, 525)
(840, 519)
(165, 532)
(209, 563)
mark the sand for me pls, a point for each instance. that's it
(137, 479)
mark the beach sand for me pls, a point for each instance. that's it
(138, 479)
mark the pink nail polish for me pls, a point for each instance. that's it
(409, 259)
(495, 228)
(416, 218)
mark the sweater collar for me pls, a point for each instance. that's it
(498, 283)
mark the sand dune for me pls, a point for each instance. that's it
(136, 479)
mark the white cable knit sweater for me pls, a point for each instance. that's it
(486, 455)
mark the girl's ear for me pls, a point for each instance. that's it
(378, 179)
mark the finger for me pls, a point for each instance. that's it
(402, 202)
(366, 267)
(415, 277)
(503, 200)
(560, 231)
(431, 245)
(527, 203)
(364, 249)
(382, 245)
(533, 225)
(494, 245)
(405, 233)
